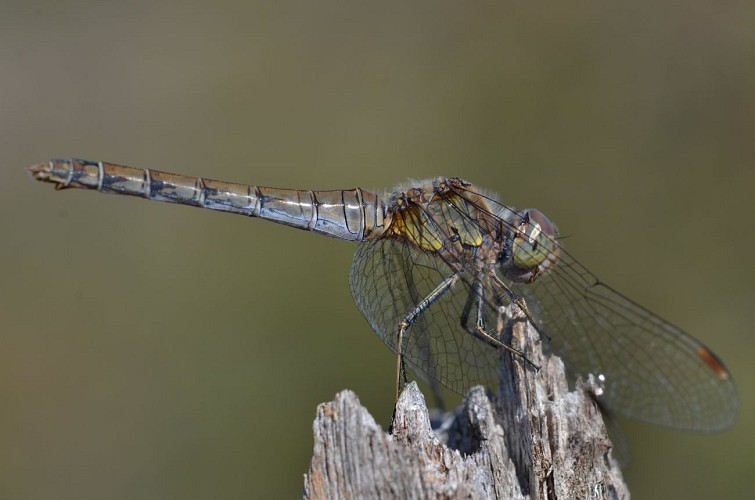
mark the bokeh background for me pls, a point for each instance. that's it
(156, 351)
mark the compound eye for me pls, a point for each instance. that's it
(535, 240)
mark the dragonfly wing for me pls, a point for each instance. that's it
(389, 278)
(654, 371)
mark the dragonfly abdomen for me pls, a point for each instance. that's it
(351, 214)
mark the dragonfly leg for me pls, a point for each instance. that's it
(410, 318)
(515, 299)
(465, 313)
(480, 331)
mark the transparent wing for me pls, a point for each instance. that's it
(654, 371)
(389, 277)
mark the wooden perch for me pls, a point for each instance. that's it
(535, 439)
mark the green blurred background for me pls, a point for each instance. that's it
(155, 351)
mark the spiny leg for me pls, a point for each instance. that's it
(481, 332)
(474, 299)
(415, 313)
(516, 300)
(465, 312)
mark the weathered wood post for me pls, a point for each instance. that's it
(533, 439)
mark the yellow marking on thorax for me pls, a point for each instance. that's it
(444, 219)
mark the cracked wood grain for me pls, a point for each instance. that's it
(533, 439)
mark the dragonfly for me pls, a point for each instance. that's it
(437, 260)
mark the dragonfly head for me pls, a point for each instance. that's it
(533, 249)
